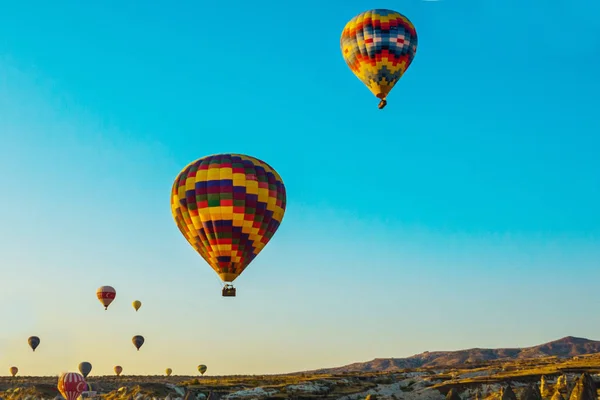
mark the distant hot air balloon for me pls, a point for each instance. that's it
(13, 370)
(202, 368)
(34, 342)
(169, 371)
(106, 295)
(228, 207)
(136, 304)
(89, 387)
(71, 385)
(138, 341)
(118, 369)
(85, 368)
(379, 46)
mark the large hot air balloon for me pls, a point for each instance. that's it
(106, 295)
(136, 304)
(228, 207)
(34, 342)
(168, 371)
(202, 368)
(85, 368)
(71, 385)
(13, 370)
(118, 369)
(138, 341)
(379, 46)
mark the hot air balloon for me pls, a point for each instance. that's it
(168, 371)
(228, 207)
(71, 385)
(379, 46)
(136, 304)
(13, 370)
(34, 342)
(85, 368)
(138, 341)
(118, 369)
(106, 295)
(202, 368)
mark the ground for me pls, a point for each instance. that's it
(429, 383)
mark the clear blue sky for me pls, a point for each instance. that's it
(471, 201)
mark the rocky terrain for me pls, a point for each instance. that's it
(566, 369)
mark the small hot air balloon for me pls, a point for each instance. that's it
(13, 370)
(71, 385)
(379, 46)
(228, 207)
(89, 387)
(106, 295)
(138, 341)
(202, 368)
(168, 371)
(118, 369)
(85, 368)
(136, 304)
(34, 342)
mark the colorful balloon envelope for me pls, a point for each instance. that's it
(34, 342)
(202, 368)
(379, 46)
(71, 385)
(228, 207)
(168, 371)
(85, 368)
(136, 304)
(13, 370)
(118, 369)
(106, 295)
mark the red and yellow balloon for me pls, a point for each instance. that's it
(71, 385)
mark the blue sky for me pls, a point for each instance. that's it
(471, 201)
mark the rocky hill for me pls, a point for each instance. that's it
(566, 347)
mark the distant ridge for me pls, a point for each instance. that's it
(569, 346)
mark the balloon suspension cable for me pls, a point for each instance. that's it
(220, 282)
(382, 104)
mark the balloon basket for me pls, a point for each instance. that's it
(228, 291)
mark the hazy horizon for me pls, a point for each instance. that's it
(465, 214)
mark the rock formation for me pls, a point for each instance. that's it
(531, 392)
(585, 389)
(557, 396)
(453, 395)
(561, 384)
(507, 394)
(544, 389)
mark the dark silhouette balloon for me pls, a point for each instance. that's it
(138, 341)
(34, 342)
(85, 368)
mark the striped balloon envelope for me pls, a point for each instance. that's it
(71, 385)
(106, 295)
(228, 207)
(379, 46)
